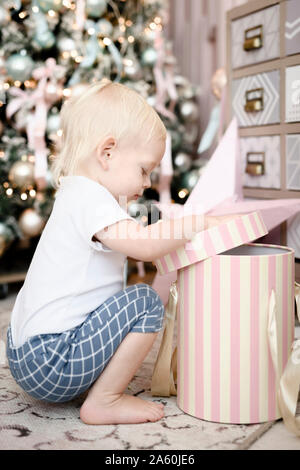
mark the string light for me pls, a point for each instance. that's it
(17, 83)
(183, 193)
(52, 13)
(23, 196)
(130, 39)
(35, 9)
(2, 154)
(9, 192)
(107, 41)
(23, 14)
(32, 192)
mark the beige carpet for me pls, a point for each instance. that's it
(26, 423)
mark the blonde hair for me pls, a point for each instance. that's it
(104, 108)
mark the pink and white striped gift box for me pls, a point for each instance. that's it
(215, 240)
(224, 366)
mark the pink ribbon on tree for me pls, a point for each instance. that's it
(37, 120)
(80, 13)
(164, 76)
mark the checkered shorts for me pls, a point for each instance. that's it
(58, 367)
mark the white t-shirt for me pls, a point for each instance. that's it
(70, 275)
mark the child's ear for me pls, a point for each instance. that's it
(104, 151)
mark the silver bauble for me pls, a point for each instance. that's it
(31, 223)
(132, 69)
(105, 28)
(191, 179)
(66, 44)
(95, 8)
(149, 57)
(45, 40)
(21, 174)
(19, 67)
(53, 124)
(189, 111)
(4, 16)
(47, 5)
(183, 162)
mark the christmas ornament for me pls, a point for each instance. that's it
(4, 16)
(131, 68)
(53, 125)
(149, 57)
(19, 66)
(105, 28)
(47, 5)
(66, 44)
(183, 162)
(31, 223)
(21, 174)
(188, 111)
(95, 8)
(190, 179)
(45, 39)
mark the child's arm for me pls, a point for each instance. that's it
(155, 240)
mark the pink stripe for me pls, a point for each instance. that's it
(254, 340)
(226, 237)
(255, 227)
(215, 339)
(271, 372)
(208, 244)
(199, 299)
(179, 340)
(285, 313)
(191, 254)
(242, 230)
(235, 341)
(186, 374)
(175, 258)
(164, 265)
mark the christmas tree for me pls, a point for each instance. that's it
(52, 49)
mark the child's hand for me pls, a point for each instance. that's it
(221, 219)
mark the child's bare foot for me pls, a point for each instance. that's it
(120, 409)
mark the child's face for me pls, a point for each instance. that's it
(127, 170)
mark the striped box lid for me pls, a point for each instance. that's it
(214, 241)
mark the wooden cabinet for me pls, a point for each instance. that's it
(263, 69)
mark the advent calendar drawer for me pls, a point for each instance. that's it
(261, 161)
(255, 38)
(292, 27)
(292, 94)
(293, 234)
(255, 99)
(293, 161)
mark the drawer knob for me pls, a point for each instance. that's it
(255, 163)
(253, 38)
(254, 100)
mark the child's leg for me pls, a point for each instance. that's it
(106, 403)
(131, 322)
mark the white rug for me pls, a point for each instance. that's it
(26, 423)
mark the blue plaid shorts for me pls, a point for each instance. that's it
(58, 367)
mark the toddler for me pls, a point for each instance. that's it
(74, 327)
